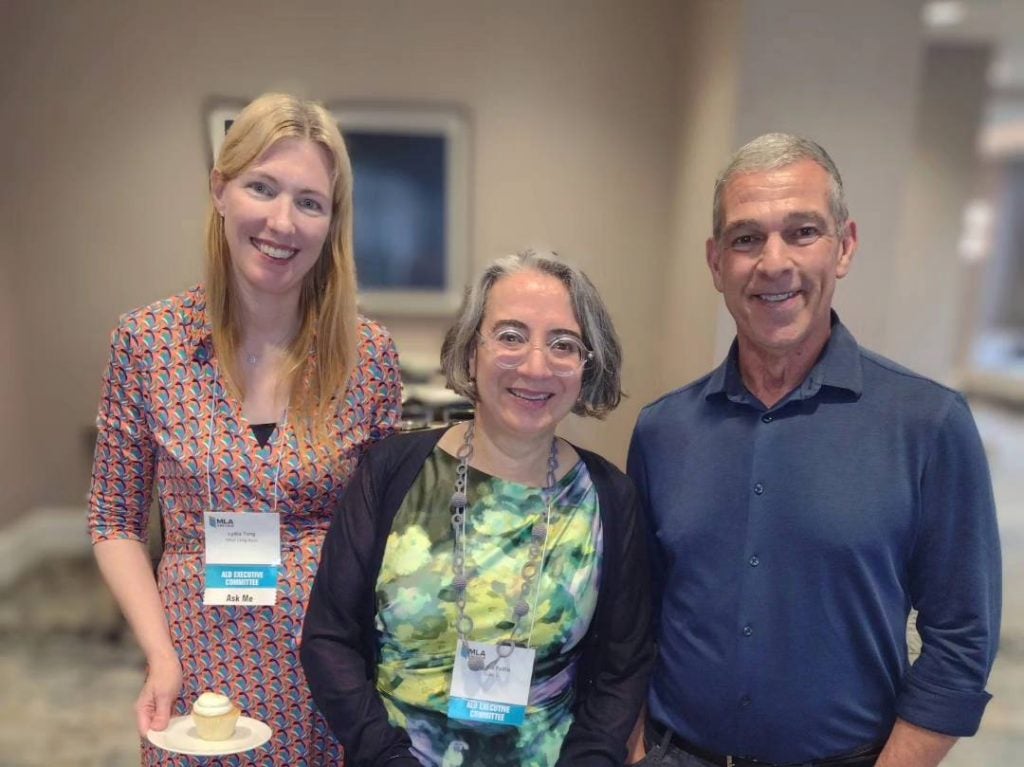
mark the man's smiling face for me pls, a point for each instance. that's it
(778, 258)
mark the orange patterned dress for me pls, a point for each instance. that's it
(165, 414)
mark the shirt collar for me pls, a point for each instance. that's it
(839, 367)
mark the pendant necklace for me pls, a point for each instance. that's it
(253, 358)
(282, 442)
(530, 572)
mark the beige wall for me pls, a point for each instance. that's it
(571, 107)
(930, 277)
(846, 74)
(597, 128)
(708, 75)
(14, 483)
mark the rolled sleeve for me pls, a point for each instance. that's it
(941, 709)
(955, 583)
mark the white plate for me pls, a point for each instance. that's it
(181, 738)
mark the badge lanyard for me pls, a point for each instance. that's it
(491, 683)
(242, 549)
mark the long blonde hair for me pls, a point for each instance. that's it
(327, 301)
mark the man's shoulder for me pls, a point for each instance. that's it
(911, 402)
(888, 377)
(679, 400)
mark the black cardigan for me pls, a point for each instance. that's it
(339, 644)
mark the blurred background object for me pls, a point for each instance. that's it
(594, 127)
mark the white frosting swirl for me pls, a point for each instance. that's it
(212, 704)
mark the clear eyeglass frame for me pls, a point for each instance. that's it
(565, 355)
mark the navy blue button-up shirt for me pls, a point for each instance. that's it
(790, 543)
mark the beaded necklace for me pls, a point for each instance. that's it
(531, 570)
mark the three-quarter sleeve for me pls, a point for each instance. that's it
(122, 469)
(336, 654)
(616, 670)
(955, 583)
(636, 468)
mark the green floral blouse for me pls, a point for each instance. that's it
(416, 613)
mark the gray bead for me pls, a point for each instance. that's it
(475, 662)
(540, 532)
(521, 608)
(460, 582)
(459, 499)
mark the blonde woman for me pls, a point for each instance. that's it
(256, 391)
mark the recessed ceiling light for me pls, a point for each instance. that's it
(943, 13)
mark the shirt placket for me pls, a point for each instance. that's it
(765, 485)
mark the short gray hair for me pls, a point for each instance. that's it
(777, 150)
(601, 388)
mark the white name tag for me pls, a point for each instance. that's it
(497, 693)
(243, 556)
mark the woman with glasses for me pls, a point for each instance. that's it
(482, 597)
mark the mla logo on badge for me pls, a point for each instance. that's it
(221, 522)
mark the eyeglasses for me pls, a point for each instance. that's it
(565, 355)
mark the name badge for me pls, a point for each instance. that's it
(243, 556)
(495, 694)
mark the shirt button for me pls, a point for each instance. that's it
(758, 489)
(745, 701)
(748, 631)
(767, 418)
(754, 561)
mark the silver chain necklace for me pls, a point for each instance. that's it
(530, 571)
(252, 359)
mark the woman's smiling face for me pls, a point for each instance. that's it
(277, 214)
(528, 401)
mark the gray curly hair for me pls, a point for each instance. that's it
(601, 388)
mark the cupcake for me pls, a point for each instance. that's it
(214, 716)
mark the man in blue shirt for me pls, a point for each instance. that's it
(802, 498)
